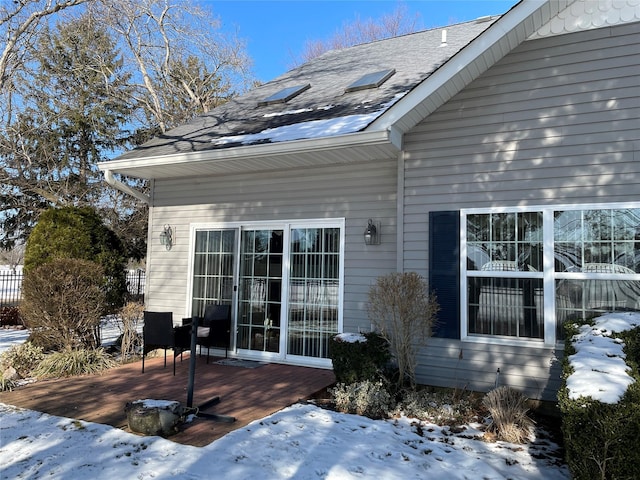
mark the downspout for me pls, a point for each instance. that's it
(118, 185)
(397, 139)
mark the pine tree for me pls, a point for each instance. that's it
(75, 109)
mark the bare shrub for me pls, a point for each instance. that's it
(70, 362)
(131, 316)
(63, 302)
(509, 419)
(403, 310)
(6, 384)
(371, 399)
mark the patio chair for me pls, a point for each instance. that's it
(214, 328)
(159, 332)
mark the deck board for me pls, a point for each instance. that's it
(247, 394)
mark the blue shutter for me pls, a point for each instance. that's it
(444, 270)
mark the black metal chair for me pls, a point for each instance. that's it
(158, 332)
(214, 329)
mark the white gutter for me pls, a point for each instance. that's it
(292, 147)
(118, 185)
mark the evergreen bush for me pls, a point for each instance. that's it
(601, 439)
(362, 357)
(10, 316)
(63, 303)
(78, 232)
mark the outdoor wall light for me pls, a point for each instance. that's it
(372, 233)
(166, 237)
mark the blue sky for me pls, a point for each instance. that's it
(275, 31)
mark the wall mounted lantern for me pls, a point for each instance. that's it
(166, 237)
(372, 233)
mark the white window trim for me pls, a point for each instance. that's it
(548, 274)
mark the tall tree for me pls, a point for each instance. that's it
(181, 65)
(172, 63)
(73, 113)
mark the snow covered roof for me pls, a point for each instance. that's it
(324, 108)
(326, 124)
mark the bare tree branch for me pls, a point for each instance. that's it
(20, 22)
(361, 31)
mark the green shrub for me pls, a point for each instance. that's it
(10, 316)
(509, 419)
(601, 439)
(22, 358)
(371, 399)
(357, 361)
(79, 233)
(67, 363)
(63, 303)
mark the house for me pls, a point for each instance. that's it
(498, 158)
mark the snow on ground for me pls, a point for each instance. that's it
(301, 442)
(10, 337)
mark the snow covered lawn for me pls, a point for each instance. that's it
(301, 442)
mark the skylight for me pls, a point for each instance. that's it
(371, 80)
(285, 94)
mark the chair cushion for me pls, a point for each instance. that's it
(203, 331)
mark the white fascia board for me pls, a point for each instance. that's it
(520, 22)
(252, 151)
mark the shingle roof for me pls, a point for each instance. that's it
(324, 109)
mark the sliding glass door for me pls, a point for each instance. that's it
(284, 281)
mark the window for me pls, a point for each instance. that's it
(504, 274)
(370, 80)
(527, 271)
(284, 95)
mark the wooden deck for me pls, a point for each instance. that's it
(247, 394)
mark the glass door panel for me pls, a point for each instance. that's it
(314, 285)
(213, 269)
(260, 293)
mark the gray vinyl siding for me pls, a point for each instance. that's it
(353, 192)
(555, 122)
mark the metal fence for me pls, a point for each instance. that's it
(11, 286)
